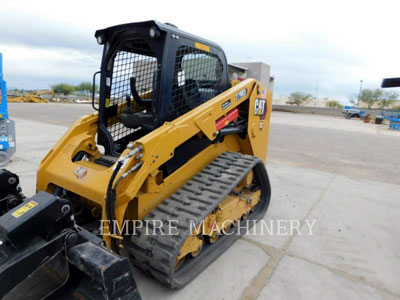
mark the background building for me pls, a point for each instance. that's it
(256, 70)
(284, 100)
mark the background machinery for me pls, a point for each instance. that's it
(33, 98)
(7, 126)
(174, 146)
(394, 117)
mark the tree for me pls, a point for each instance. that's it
(334, 104)
(63, 88)
(384, 99)
(388, 98)
(353, 98)
(299, 98)
(86, 87)
(370, 96)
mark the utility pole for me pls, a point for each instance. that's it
(359, 94)
(316, 94)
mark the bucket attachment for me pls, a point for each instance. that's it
(45, 255)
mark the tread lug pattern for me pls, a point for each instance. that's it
(193, 202)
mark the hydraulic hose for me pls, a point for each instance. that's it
(110, 198)
(114, 188)
(111, 194)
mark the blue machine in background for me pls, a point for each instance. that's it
(7, 126)
(394, 117)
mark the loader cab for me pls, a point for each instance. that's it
(151, 73)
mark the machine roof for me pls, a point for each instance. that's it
(108, 32)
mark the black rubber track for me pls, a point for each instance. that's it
(156, 253)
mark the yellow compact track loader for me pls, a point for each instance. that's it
(168, 174)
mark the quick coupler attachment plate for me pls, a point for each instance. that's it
(40, 215)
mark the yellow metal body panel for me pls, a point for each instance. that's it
(152, 196)
(228, 213)
(143, 190)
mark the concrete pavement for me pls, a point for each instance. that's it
(336, 145)
(353, 253)
(51, 113)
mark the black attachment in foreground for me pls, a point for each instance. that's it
(45, 255)
(390, 82)
(10, 192)
(42, 215)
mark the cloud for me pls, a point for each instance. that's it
(37, 68)
(307, 43)
(43, 53)
(26, 30)
(312, 62)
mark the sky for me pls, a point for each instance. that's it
(319, 47)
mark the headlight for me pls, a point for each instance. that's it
(100, 40)
(154, 33)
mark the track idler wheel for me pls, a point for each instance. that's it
(231, 188)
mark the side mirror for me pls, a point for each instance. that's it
(390, 82)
